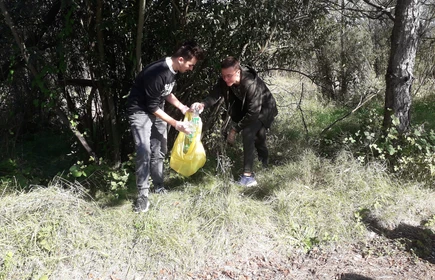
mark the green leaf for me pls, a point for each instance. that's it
(391, 150)
(115, 176)
(77, 173)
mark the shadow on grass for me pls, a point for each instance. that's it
(352, 276)
(258, 192)
(417, 240)
(267, 186)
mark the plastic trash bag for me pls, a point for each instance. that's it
(188, 154)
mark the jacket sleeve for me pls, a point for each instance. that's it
(215, 94)
(251, 103)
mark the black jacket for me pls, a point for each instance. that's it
(247, 102)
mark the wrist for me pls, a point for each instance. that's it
(183, 108)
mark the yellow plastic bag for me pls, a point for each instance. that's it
(188, 160)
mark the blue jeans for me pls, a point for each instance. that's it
(150, 139)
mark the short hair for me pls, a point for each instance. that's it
(189, 50)
(230, 61)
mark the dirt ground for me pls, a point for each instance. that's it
(381, 259)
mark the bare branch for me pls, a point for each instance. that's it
(289, 70)
(381, 9)
(364, 99)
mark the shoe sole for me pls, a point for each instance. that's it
(253, 184)
(141, 211)
(144, 210)
(159, 191)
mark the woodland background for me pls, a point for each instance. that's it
(349, 193)
(67, 66)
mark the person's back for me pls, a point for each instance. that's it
(152, 80)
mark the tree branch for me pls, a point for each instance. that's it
(364, 99)
(32, 41)
(289, 70)
(79, 82)
(382, 9)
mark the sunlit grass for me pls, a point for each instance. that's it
(309, 202)
(303, 201)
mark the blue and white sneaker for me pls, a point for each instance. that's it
(247, 181)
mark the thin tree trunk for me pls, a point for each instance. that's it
(106, 94)
(399, 77)
(17, 37)
(140, 24)
(343, 64)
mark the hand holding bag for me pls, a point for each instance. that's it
(188, 154)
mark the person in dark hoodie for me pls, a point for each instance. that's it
(252, 109)
(152, 87)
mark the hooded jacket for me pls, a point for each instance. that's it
(247, 102)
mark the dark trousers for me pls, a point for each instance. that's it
(254, 138)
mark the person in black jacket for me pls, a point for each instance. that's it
(148, 120)
(252, 109)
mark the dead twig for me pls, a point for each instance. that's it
(364, 99)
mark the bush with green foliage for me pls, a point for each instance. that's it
(101, 177)
(410, 155)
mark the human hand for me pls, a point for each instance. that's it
(231, 138)
(184, 127)
(197, 106)
(184, 109)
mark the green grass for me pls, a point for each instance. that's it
(303, 201)
(58, 232)
(423, 113)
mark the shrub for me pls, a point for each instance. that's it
(410, 155)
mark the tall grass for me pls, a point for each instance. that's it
(302, 201)
(55, 231)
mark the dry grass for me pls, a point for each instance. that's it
(56, 231)
(303, 202)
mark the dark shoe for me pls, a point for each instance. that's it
(264, 163)
(142, 204)
(247, 181)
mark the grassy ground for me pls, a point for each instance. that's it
(303, 202)
(58, 232)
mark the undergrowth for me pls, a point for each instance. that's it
(344, 186)
(59, 232)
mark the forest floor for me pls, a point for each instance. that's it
(382, 259)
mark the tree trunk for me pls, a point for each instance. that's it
(109, 111)
(326, 79)
(140, 23)
(343, 64)
(399, 77)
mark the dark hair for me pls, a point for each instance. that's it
(189, 50)
(230, 62)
